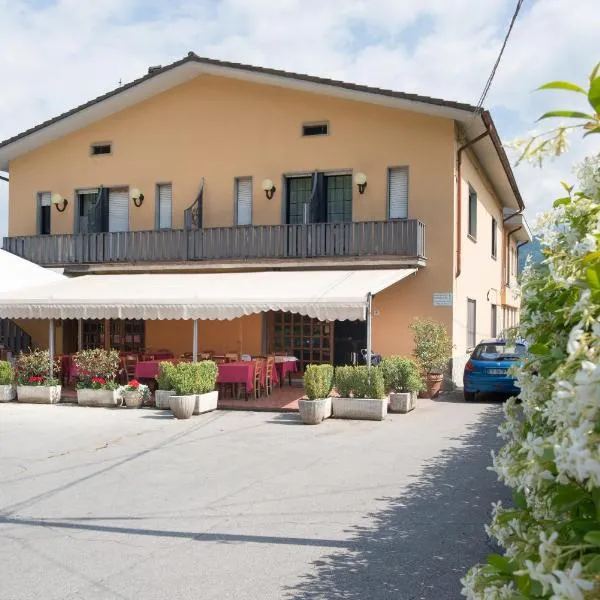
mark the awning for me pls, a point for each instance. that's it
(325, 295)
(17, 273)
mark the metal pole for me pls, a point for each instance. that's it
(369, 315)
(79, 334)
(51, 346)
(195, 341)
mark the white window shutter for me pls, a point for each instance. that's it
(45, 199)
(244, 201)
(165, 203)
(398, 192)
(118, 209)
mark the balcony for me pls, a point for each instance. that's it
(401, 241)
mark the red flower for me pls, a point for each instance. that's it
(99, 380)
(35, 379)
(134, 383)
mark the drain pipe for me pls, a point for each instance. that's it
(459, 196)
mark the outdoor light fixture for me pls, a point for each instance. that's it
(269, 188)
(360, 179)
(137, 197)
(59, 202)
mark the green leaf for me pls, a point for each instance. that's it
(519, 500)
(568, 188)
(560, 201)
(539, 349)
(594, 73)
(590, 258)
(499, 563)
(594, 94)
(566, 497)
(562, 85)
(593, 566)
(590, 131)
(596, 498)
(593, 537)
(568, 114)
(592, 276)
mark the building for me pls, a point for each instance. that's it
(208, 166)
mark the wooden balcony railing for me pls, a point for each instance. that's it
(405, 238)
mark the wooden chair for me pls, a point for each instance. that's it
(205, 355)
(130, 362)
(270, 367)
(258, 379)
(187, 356)
(232, 356)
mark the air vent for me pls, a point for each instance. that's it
(100, 149)
(309, 129)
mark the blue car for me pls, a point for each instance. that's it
(487, 369)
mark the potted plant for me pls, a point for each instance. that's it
(34, 383)
(402, 382)
(96, 377)
(205, 374)
(164, 385)
(361, 393)
(8, 391)
(318, 381)
(432, 352)
(134, 394)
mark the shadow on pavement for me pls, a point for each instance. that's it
(421, 543)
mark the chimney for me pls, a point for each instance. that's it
(154, 69)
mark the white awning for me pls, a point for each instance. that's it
(17, 273)
(325, 295)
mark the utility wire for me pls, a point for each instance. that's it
(488, 83)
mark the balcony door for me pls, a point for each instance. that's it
(103, 209)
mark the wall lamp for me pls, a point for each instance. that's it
(269, 188)
(60, 202)
(137, 197)
(360, 179)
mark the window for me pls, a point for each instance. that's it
(494, 238)
(398, 192)
(494, 327)
(127, 335)
(310, 129)
(472, 213)
(243, 201)
(93, 333)
(44, 200)
(471, 323)
(164, 199)
(339, 198)
(97, 149)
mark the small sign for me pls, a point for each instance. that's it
(442, 298)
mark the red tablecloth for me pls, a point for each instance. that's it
(237, 372)
(285, 367)
(147, 369)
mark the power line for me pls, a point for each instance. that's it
(488, 83)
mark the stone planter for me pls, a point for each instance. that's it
(161, 398)
(39, 394)
(7, 393)
(133, 399)
(104, 398)
(182, 407)
(403, 402)
(312, 412)
(206, 402)
(372, 409)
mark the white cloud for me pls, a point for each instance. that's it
(58, 54)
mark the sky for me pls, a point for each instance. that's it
(56, 54)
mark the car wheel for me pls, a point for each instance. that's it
(469, 396)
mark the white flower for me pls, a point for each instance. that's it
(569, 584)
(536, 572)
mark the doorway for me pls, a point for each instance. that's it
(349, 339)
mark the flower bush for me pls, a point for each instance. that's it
(401, 374)
(97, 368)
(7, 375)
(135, 386)
(551, 458)
(318, 381)
(33, 368)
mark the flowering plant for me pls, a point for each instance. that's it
(33, 368)
(551, 457)
(96, 368)
(135, 386)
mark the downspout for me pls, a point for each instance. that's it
(459, 196)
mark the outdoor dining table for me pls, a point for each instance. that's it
(285, 365)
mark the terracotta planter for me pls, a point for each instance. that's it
(39, 394)
(7, 393)
(182, 407)
(206, 402)
(101, 398)
(433, 381)
(161, 398)
(313, 412)
(133, 399)
(403, 402)
(371, 409)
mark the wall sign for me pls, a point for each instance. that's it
(442, 298)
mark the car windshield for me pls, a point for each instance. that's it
(492, 351)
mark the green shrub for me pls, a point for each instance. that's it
(194, 378)
(401, 374)
(166, 370)
(7, 375)
(318, 381)
(33, 368)
(360, 382)
(97, 368)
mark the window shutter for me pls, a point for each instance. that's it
(244, 201)
(45, 199)
(398, 192)
(165, 203)
(118, 209)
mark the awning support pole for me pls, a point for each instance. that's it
(195, 341)
(79, 334)
(369, 315)
(51, 346)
